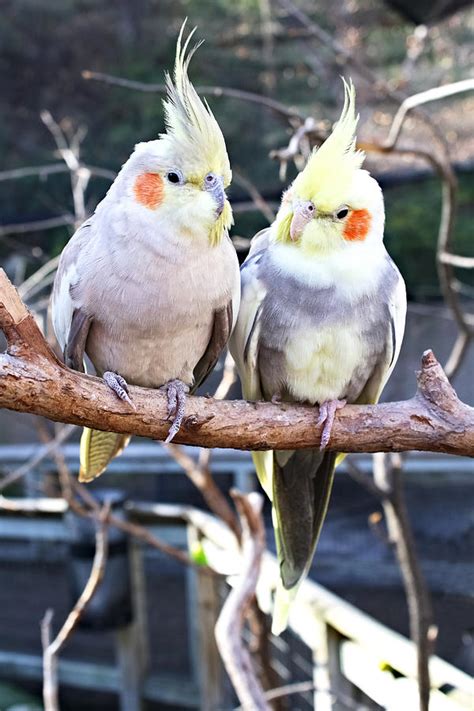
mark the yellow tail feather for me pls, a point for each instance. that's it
(97, 450)
(263, 463)
(281, 608)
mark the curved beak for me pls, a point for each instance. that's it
(219, 197)
(218, 193)
(303, 212)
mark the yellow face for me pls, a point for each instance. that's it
(315, 228)
(332, 201)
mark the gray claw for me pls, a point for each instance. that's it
(327, 413)
(176, 392)
(118, 385)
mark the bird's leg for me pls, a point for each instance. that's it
(327, 412)
(118, 385)
(176, 392)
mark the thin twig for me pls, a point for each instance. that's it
(51, 649)
(277, 107)
(388, 476)
(42, 453)
(259, 201)
(228, 631)
(36, 225)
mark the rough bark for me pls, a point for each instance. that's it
(33, 380)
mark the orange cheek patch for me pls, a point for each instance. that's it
(148, 190)
(357, 225)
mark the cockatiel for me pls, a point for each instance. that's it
(321, 321)
(148, 288)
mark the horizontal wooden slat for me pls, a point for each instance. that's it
(165, 688)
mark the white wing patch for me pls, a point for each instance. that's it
(245, 339)
(397, 309)
(62, 304)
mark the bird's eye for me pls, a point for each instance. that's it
(175, 176)
(210, 180)
(342, 212)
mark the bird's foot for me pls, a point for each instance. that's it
(327, 412)
(276, 399)
(118, 385)
(176, 392)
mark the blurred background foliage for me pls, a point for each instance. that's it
(253, 45)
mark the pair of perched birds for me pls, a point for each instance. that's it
(149, 290)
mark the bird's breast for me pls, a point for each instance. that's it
(154, 325)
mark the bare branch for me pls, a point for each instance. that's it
(34, 380)
(228, 631)
(38, 279)
(40, 170)
(36, 225)
(259, 201)
(42, 453)
(424, 97)
(51, 649)
(388, 476)
(70, 153)
(201, 477)
(277, 107)
(456, 260)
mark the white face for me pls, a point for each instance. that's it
(357, 220)
(158, 189)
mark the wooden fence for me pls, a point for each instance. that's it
(354, 661)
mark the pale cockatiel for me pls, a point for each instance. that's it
(321, 322)
(148, 288)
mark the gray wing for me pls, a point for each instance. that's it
(75, 347)
(244, 344)
(67, 311)
(397, 307)
(221, 330)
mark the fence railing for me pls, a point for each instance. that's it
(356, 661)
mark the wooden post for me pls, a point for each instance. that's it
(132, 640)
(332, 688)
(139, 604)
(203, 607)
(128, 661)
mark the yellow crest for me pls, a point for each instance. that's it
(330, 169)
(190, 123)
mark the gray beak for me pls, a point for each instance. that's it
(303, 212)
(219, 196)
(218, 193)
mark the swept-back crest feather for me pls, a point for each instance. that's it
(190, 123)
(330, 168)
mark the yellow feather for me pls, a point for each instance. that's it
(263, 463)
(281, 608)
(223, 223)
(191, 126)
(97, 449)
(330, 169)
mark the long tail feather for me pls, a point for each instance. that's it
(97, 450)
(281, 608)
(302, 483)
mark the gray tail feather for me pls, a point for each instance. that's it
(302, 484)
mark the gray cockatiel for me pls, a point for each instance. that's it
(148, 288)
(321, 322)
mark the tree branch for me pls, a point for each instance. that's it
(51, 649)
(234, 654)
(34, 380)
(388, 477)
(251, 97)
